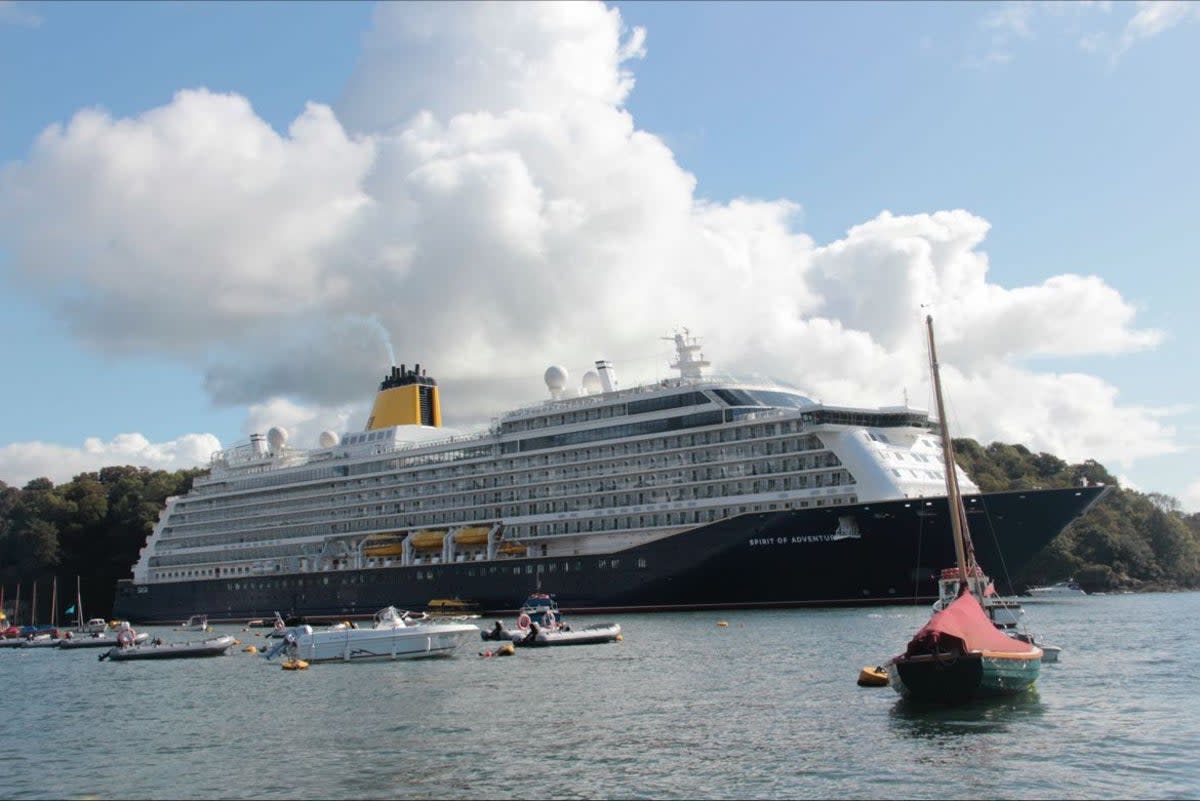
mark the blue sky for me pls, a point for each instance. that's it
(1057, 140)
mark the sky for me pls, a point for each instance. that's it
(220, 217)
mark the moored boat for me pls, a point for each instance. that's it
(960, 655)
(540, 623)
(395, 635)
(155, 649)
(100, 640)
(194, 623)
(1062, 589)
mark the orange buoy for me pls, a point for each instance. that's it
(873, 677)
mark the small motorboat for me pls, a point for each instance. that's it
(99, 641)
(395, 635)
(540, 623)
(1049, 652)
(42, 641)
(156, 649)
(195, 623)
(1063, 589)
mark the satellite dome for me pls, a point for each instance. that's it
(277, 438)
(556, 378)
(327, 439)
(591, 382)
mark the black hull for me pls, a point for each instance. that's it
(890, 552)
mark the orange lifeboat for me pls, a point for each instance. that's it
(384, 546)
(428, 538)
(472, 535)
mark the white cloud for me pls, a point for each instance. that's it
(22, 462)
(496, 210)
(1152, 18)
(1191, 498)
(1002, 27)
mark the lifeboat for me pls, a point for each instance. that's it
(384, 546)
(513, 548)
(472, 535)
(427, 539)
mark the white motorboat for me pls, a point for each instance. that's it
(96, 625)
(1063, 589)
(195, 623)
(1049, 652)
(1004, 612)
(394, 635)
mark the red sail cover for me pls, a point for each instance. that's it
(965, 621)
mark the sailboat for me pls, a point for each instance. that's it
(96, 625)
(47, 636)
(960, 655)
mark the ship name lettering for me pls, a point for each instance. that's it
(800, 539)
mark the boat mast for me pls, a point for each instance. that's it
(54, 603)
(954, 500)
(78, 604)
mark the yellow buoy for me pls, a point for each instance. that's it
(508, 649)
(873, 677)
(250, 649)
(723, 624)
(619, 637)
(294, 664)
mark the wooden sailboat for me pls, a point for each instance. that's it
(960, 655)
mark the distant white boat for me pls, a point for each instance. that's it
(194, 623)
(395, 635)
(1063, 589)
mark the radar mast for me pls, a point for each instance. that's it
(688, 359)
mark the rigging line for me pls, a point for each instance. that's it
(996, 541)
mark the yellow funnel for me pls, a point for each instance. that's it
(406, 397)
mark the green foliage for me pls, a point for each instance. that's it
(92, 527)
(1127, 540)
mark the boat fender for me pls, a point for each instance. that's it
(523, 622)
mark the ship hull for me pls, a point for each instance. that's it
(871, 553)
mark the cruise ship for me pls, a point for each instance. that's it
(692, 492)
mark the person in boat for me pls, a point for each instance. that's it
(532, 635)
(498, 631)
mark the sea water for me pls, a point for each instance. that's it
(765, 707)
